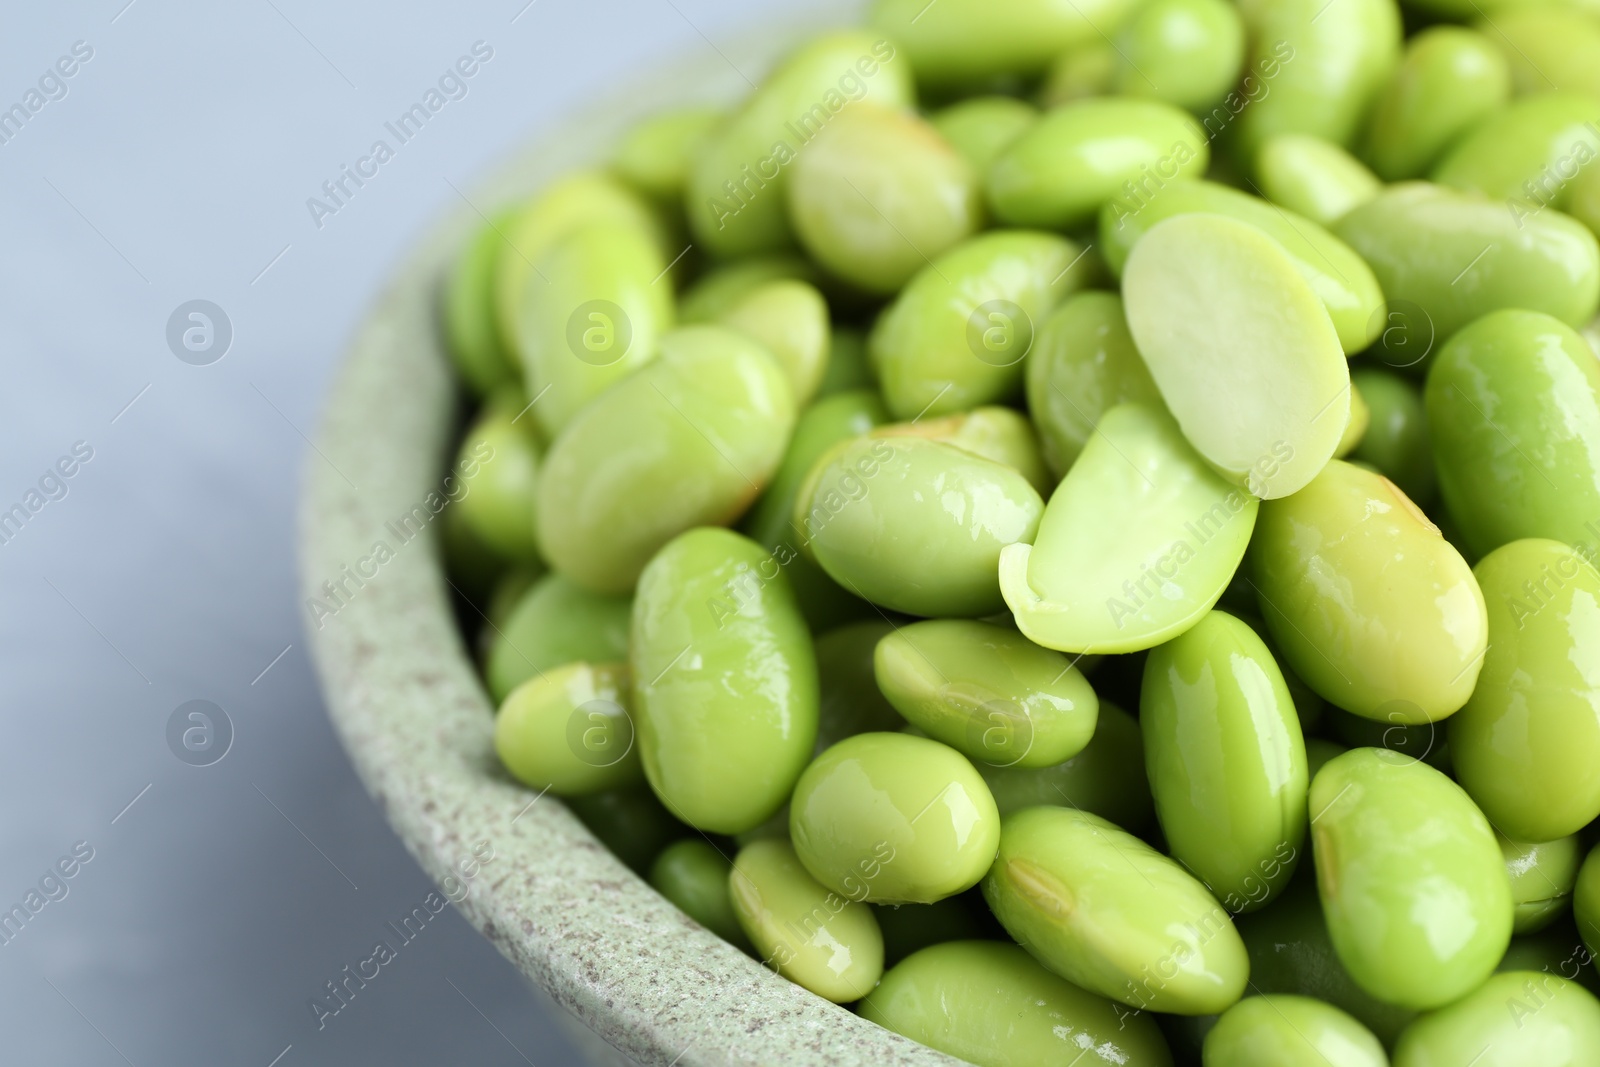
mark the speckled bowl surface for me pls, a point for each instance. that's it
(406, 700)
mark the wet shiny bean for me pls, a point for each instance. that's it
(568, 730)
(915, 525)
(1415, 892)
(956, 335)
(1447, 257)
(1225, 759)
(1513, 408)
(812, 936)
(1367, 602)
(1082, 364)
(556, 622)
(724, 681)
(990, 1004)
(1111, 914)
(987, 691)
(892, 818)
(1060, 170)
(1527, 744)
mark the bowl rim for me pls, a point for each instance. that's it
(406, 701)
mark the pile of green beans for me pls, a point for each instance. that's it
(1071, 527)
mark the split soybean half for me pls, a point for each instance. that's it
(1242, 350)
(1342, 281)
(1138, 542)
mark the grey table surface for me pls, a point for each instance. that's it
(175, 163)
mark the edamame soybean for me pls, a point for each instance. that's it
(556, 622)
(1369, 605)
(1111, 914)
(1529, 150)
(892, 818)
(469, 313)
(1514, 411)
(1185, 52)
(1454, 256)
(1527, 744)
(1547, 47)
(1137, 544)
(565, 206)
(499, 466)
(1449, 80)
(878, 193)
(694, 875)
(987, 691)
(1328, 63)
(816, 939)
(790, 319)
(915, 525)
(590, 315)
(980, 128)
(725, 681)
(655, 156)
(1397, 440)
(1415, 892)
(961, 43)
(824, 424)
(1356, 428)
(510, 589)
(569, 731)
(639, 466)
(1586, 900)
(1059, 171)
(1542, 876)
(1278, 1030)
(956, 335)
(1513, 1019)
(1225, 759)
(993, 432)
(735, 201)
(1243, 352)
(989, 1004)
(716, 292)
(1313, 177)
(1082, 364)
